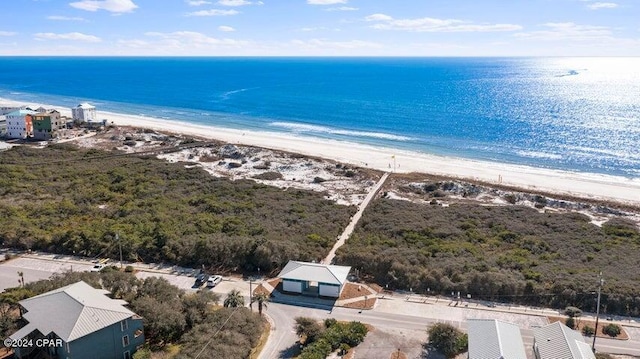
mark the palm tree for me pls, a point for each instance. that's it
(262, 299)
(234, 299)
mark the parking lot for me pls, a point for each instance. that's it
(35, 269)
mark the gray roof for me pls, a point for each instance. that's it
(493, 339)
(71, 312)
(85, 105)
(315, 272)
(556, 340)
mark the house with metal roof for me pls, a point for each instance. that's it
(314, 278)
(77, 322)
(556, 340)
(493, 339)
(84, 112)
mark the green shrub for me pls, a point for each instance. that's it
(128, 269)
(588, 331)
(573, 311)
(570, 322)
(612, 330)
(448, 340)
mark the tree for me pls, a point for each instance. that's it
(234, 299)
(261, 299)
(588, 331)
(196, 306)
(447, 339)
(143, 353)
(163, 321)
(21, 279)
(307, 328)
(612, 330)
(571, 323)
(573, 312)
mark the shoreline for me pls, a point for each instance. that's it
(575, 184)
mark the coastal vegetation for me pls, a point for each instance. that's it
(66, 200)
(320, 340)
(499, 253)
(447, 339)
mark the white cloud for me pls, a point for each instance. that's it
(133, 43)
(197, 2)
(65, 18)
(342, 8)
(234, 2)
(428, 24)
(326, 2)
(325, 44)
(226, 28)
(602, 5)
(74, 36)
(187, 39)
(378, 17)
(213, 12)
(562, 31)
(117, 6)
(8, 33)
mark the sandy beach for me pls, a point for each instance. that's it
(585, 185)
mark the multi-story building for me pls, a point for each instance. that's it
(83, 113)
(46, 124)
(78, 322)
(19, 124)
(3, 125)
(6, 109)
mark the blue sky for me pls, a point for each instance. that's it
(321, 27)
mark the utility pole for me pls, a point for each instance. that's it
(119, 245)
(600, 282)
(251, 293)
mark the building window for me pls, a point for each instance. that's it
(125, 341)
(124, 325)
(67, 347)
(126, 355)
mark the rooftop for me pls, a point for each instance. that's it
(71, 312)
(315, 272)
(556, 340)
(493, 339)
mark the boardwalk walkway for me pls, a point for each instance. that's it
(354, 220)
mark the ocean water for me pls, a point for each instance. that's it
(576, 114)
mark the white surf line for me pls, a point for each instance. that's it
(354, 220)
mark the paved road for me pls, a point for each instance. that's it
(391, 315)
(354, 220)
(282, 340)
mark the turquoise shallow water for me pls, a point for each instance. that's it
(578, 114)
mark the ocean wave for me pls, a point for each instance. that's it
(536, 154)
(228, 94)
(301, 128)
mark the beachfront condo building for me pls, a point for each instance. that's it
(19, 124)
(84, 112)
(3, 125)
(46, 125)
(7, 109)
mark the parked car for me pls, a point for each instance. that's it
(201, 279)
(214, 280)
(97, 267)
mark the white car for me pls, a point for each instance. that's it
(213, 281)
(98, 267)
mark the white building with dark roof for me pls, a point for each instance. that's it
(300, 277)
(84, 112)
(493, 339)
(556, 340)
(86, 322)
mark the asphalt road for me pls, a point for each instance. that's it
(282, 341)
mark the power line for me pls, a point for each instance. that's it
(217, 331)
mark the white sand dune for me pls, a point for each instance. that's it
(587, 185)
